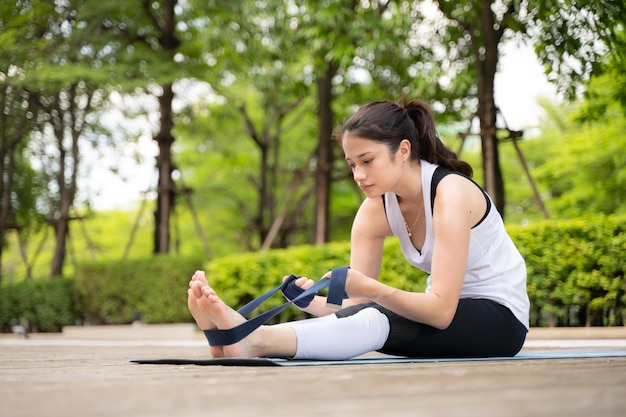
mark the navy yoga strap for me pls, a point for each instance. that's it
(296, 295)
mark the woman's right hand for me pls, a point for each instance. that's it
(302, 282)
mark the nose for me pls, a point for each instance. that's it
(358, 174)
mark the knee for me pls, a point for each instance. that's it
(373, 320)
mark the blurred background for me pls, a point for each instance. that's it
(132, 129)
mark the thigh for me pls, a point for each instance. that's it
(480, 328)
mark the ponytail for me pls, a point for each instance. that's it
(430, 147)
(390, 123)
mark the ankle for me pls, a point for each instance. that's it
(256, 342)
(274, 341)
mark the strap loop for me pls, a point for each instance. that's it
(337, 287)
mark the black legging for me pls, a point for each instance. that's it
(480, 328)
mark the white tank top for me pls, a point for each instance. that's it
(495, 268)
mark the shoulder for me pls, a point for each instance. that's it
(371, 218)
(459, 194)
(455, 181)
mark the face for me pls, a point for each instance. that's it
(374, 168)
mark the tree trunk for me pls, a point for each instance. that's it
(264, 210)
(262, 139)
(324, 154)
(7, 158)
(67, 175)
(165, 167)
(166, 26)
(61, 232)
(487, 64)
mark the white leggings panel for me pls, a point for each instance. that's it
(332, 338)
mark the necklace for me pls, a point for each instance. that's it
(408, 229)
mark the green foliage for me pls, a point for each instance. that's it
(252, 53)
(583, 169)
(605, 95)
(572, 37)
(219, 154)
(114, 292)
(102, 237)
(576, 270)
(43, 305)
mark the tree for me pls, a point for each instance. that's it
(163, 19)
(61, 124)
(337, 33)
(151, 45)
(333, 41)
(348, 44)
(17, 195)
(18, 105)
(258, 73)
(251, 154)
(569, 36)
(52, 95)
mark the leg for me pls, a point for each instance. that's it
(322, 338)
(334, 338)
(480, 328)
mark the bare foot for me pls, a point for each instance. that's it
(202, 319)
(194, 292)
(211, 313)
(225, 318)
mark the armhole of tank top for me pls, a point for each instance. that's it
(439, 174)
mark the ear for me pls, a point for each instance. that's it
(404, 150)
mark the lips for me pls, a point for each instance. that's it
(365, 187)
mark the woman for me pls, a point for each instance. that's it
(475, 304)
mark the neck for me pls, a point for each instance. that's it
(410, 187)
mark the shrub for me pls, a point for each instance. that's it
(42, 305)
(575, 270)
(116, 292)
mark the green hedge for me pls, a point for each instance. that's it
(115, 292)
(575, 278)
(44, 305)
(575, 270)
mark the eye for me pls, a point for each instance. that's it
(351, 166)
(367, 161)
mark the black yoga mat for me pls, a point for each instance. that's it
(383, 359)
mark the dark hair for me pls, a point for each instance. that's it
(390, 123)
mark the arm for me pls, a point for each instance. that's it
(459, 205)
(369, 230)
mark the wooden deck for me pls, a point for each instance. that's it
(86, 372)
